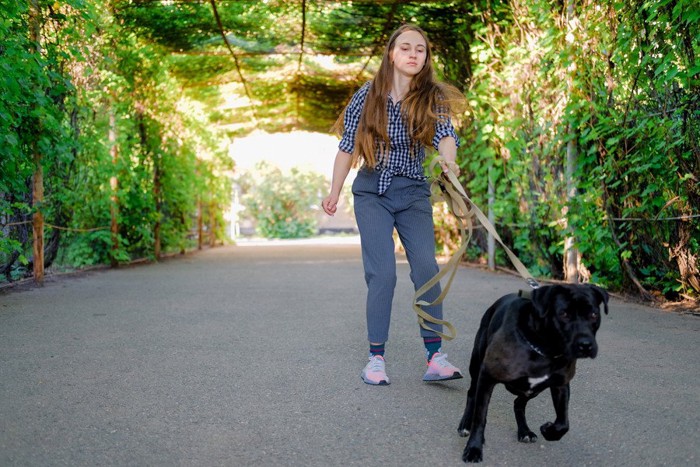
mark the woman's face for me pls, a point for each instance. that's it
(409, 53)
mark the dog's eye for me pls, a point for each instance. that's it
(594, 315)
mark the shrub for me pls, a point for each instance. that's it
(284, 205)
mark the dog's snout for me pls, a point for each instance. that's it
(585, 346)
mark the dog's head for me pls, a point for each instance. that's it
(572, 314)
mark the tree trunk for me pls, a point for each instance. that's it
(113, 184)
(490, 240)
(200, 224)
(685, 258)
(38, 178)
(157, 195)
(570, 251)
(212, 224)
(38, 219)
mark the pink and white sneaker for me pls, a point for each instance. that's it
(439, 369)
(375, 371)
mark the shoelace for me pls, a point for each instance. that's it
(376, 364)
(441, 360)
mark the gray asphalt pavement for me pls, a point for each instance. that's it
(250, 355)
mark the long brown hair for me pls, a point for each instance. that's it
(426, 101)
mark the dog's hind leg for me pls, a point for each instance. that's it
(560, 398)
(525, 435)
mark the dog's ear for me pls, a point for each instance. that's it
(601, 295)
(542, 297)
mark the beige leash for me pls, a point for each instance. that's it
(452, 192)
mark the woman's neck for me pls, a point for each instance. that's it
(400, 87)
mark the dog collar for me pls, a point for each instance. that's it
(526, 294)
(535, 348)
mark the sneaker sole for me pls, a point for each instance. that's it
(372, 383)
(432, 378)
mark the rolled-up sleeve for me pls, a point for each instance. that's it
(444, 128)
(352, 119)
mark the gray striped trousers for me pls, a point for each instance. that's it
(405, 205)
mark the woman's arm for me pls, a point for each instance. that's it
(447, 148)
(341, 168)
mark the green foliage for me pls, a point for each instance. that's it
(284, 205)
(619, 81)
(34, 126)
(116, 139)
(106, 103)
(641, 144)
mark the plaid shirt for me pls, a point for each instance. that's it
(404, 160)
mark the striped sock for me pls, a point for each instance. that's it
(376, 349)
(432, 346)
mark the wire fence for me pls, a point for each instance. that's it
(58, 227)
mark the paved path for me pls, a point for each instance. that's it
(250, 356)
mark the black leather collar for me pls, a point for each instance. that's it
(535, 348)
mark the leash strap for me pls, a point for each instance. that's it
(452, 192)
(519, 266)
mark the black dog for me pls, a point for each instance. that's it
(530, 344)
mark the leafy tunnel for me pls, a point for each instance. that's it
(283, 65)
(582, 129)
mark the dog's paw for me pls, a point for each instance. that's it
(527, 437)
(472, 454)
(553, 433)
(463, 432)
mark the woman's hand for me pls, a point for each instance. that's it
(330, 204)
(450, 165)
(341, 167)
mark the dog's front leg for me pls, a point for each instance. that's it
(560, 398)
(473, 451)
(525, 435)
(465, 425)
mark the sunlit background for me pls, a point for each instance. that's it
(301, 150)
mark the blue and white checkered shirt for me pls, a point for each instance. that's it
(403, 160)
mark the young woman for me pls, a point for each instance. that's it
(385, 129)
